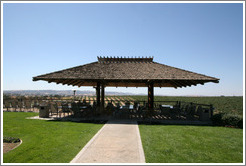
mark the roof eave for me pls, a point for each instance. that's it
(176, 83)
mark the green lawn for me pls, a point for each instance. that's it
(57, 141)
(45, 141)
(191, 144)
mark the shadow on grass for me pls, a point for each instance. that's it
(79, 121)
(104, 120)
(176, 123)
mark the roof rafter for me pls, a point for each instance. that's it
(175, 83)
(58, 81)
(188, 82)
(182, 83)
(81, 83)
(74, 82)
(66, 81)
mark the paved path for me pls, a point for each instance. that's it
(116, 142)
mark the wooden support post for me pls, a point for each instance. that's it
(151, 96)
(98, 94)
(102, 98)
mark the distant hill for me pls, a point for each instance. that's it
(60, 92)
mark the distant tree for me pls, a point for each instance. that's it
(6, 97)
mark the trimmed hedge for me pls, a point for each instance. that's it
(10, 140)
(217, 119)
(222, 119)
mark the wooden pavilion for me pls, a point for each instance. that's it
(126, 72)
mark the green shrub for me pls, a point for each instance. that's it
(217, 119)
(232, 120)
(10, 140)
(240, 123)
(222, 119)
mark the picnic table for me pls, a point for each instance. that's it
(166, 109)
(128, 107)
(167, 106)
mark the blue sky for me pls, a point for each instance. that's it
(203, 38)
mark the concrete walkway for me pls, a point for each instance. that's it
(116, 142)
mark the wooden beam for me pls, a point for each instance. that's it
(58, 81)
(66, 81)
(182, 82)
(50, 81)
(151, 96)
(201, 82)
(98, 94)
(102, 97)
(74, 82)
(69, 82)
(192, 82)
(175, 83)
(81, 83)
(185, 83)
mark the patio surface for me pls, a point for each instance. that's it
(118, 141)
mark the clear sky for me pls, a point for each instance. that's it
(203, 38)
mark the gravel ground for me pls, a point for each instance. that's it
(9, 146)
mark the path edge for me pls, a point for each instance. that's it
(87, 145)
(140, 146)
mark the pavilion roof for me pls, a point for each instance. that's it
(126, 72)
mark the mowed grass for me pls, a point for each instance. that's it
(45, 141)
(191, 144)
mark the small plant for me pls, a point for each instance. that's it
(10, 140)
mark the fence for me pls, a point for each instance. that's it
(115, 106)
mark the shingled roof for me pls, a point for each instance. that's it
(126, 72)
